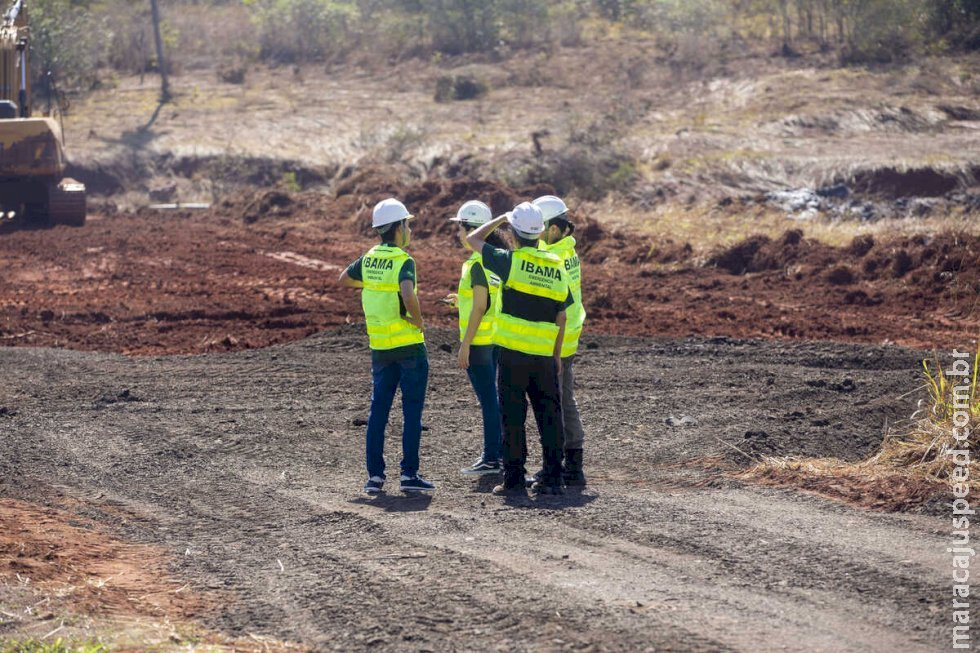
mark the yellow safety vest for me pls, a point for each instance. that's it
(464, 293)
(565, 249)
(537, 273)
(386, 327)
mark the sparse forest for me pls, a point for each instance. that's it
(84, 42)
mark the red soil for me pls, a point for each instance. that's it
(263, 269)
(60, 555)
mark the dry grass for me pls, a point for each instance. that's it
(707, 226)
(701, 140)
(912, 466)
(954, 405)
(860, 484)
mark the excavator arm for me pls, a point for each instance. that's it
(33, 187)
(15, 80)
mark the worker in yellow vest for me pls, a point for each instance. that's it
(557, 239)
(529, 330)
(477, 298)
(387, 278)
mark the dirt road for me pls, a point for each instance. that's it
(247, 469)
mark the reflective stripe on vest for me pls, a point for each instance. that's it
(565, 249)
(386, 327)
(537, 273)
(484, 333)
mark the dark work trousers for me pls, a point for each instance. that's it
(574, 432)
(521, 377)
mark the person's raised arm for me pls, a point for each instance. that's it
(477, 239)
(411, 301)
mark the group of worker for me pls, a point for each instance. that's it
(520, 319)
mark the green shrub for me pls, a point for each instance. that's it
(581, 170)
(458, 26)
(292, 31)
(232, 73)
(289, 182)
(76, 39)
(401, 140)
(66, 40)
(56, 646)
(676, 16)
(884, 31)
(445, 89)
(955, 23)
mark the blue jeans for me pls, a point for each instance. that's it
(412, 374)
(483, 376)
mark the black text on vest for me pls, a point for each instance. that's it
(379, 263)
(539, 270)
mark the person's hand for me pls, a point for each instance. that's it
(558, 365)
(464, 357)
(452, 299)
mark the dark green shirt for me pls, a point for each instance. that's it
(497, 261)
(478, 277)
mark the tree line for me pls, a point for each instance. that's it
(78, 40)
(869, 30)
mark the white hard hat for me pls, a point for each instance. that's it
(551, 207)
(527, 220)
(473, 213)
(389, 211)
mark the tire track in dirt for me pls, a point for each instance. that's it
(247, 467)
(334, 560)
(646, 571)
(742, 596)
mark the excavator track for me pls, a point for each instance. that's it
(66, 203)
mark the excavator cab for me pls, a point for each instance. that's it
(33, 186)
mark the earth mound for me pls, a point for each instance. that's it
(261, 267)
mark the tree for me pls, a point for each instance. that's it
(957, 21)
(161, 62)
(65, 44)
(459, 26)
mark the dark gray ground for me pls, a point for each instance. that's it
(239, 462)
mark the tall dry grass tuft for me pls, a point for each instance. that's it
(925, 449)
(911, 467)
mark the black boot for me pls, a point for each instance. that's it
(550, 481)
(513, 480)
(572, 472)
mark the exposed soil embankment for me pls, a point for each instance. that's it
(890, 183)
(170, 178)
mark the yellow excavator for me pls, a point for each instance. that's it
(33, 186)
